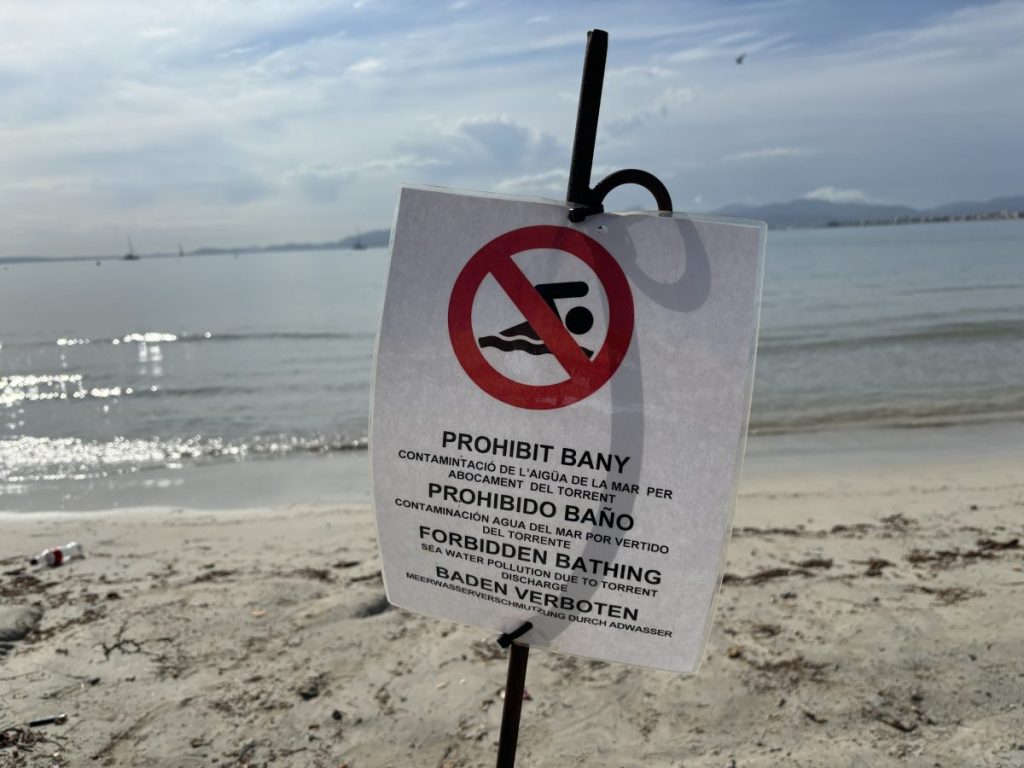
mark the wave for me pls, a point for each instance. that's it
(207, 391)
(992, 330)
(159, 337)
(31, 388)
(965, 288)
(28, 459)
(283, 335)
(1007, 405)
(33, 459)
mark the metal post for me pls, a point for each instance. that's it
(582, 160)
(515, 684)
(580, 166)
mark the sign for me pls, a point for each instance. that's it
(558, 419)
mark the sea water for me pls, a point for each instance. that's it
(171, 363)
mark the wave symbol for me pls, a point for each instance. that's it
(521, 345)
(577, 320)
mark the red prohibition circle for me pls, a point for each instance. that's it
(585, 376)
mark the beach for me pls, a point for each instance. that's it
(208, 448)
(869, 615)
(334, 360)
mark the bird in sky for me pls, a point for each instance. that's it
(740, 58)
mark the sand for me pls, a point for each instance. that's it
(870, 615)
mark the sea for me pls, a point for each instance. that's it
(120, 370)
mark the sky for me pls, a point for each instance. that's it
(227, 123)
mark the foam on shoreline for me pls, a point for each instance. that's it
(344, 476)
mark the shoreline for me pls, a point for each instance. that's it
(344, 476)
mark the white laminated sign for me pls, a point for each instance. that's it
(559, 413)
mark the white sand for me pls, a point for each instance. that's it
(871, 617)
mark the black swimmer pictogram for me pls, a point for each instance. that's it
(523, 338)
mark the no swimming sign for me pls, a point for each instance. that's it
(558, 419)
(543, 331)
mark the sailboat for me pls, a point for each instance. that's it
(358, 244)
(131, 255)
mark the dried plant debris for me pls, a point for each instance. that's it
(753, 531)
(19, 744)
(947, 595)
(127, 645)
(786, 673)
(316, 574)
(900, 710)
(19, 584)
(813, 717)
(88, 616)
(985, 549)
(215, 575)
(768, 574)
(854, 529)
(875, 566)
(19, 737)
(489, 650)
(935, 559)
(367, 577)
(899, 521)
(816, 562)
(762, 630)
(992, 544)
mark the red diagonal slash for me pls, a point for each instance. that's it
(541, 317)
(585, 376)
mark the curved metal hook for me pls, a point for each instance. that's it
(648, 181)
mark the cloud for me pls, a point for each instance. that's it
(723, 48)
(726, 47)
(665, 105)
(836, 195)
(232, 116)
(498, 136)
(547, 183)
(482, 150)
(155, 33)
(645, 72)
(370, 66)
(767, 153)
(551, 183)
(325, 182)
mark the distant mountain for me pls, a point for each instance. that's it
(794, 214)
(377, 238)
(964, 209)
(815, 213)
(821, 213)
